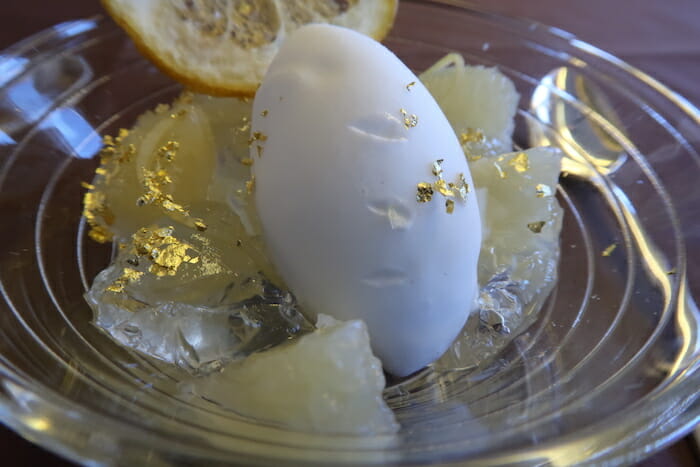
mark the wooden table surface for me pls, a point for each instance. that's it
(661, 38)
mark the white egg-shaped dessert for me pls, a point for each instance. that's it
(364, 194)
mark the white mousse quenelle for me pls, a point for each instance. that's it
(364, 194)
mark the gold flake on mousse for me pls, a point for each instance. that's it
(409, 121)
(448, 190)
(425, 192)
(449, 206)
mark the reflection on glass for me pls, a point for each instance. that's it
(73, 132)
(38, 95)
(585, 124)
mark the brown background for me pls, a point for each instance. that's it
(660, 37)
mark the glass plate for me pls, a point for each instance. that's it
(608, 373)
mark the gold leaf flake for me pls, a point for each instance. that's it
(462, 187)
(172, 206)
(247, 161)
(672, 272)
(536, 227)
(168, 260)
(155, 181)
(87, 186)
(437, 167)
(543, 190)
(521, 163)
(609, 249)
(98, 216)
(200, 225)
(462, 192)
(127, 277)
(449, 206)
(450, 190)
(264, 113)
(250, 185)
(464, 183)
(100, 234)
(471, 135)
(409, 121)
(93, 203)
(121, 135)
(425, 192)
(442, 187)
(115, 287)
(474, 158)
(245, 125)
(410, 85)
(168, 150)
(257, 136)
(165, 252)
(106, 154)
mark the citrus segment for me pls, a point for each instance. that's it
(327, 381)
(479, 102)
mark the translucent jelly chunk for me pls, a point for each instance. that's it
(522, 219)
(173, 296)
(521, 216)
(167, 165)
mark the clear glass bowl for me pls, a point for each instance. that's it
(609, 372)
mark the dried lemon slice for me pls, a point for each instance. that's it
(223, 47)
